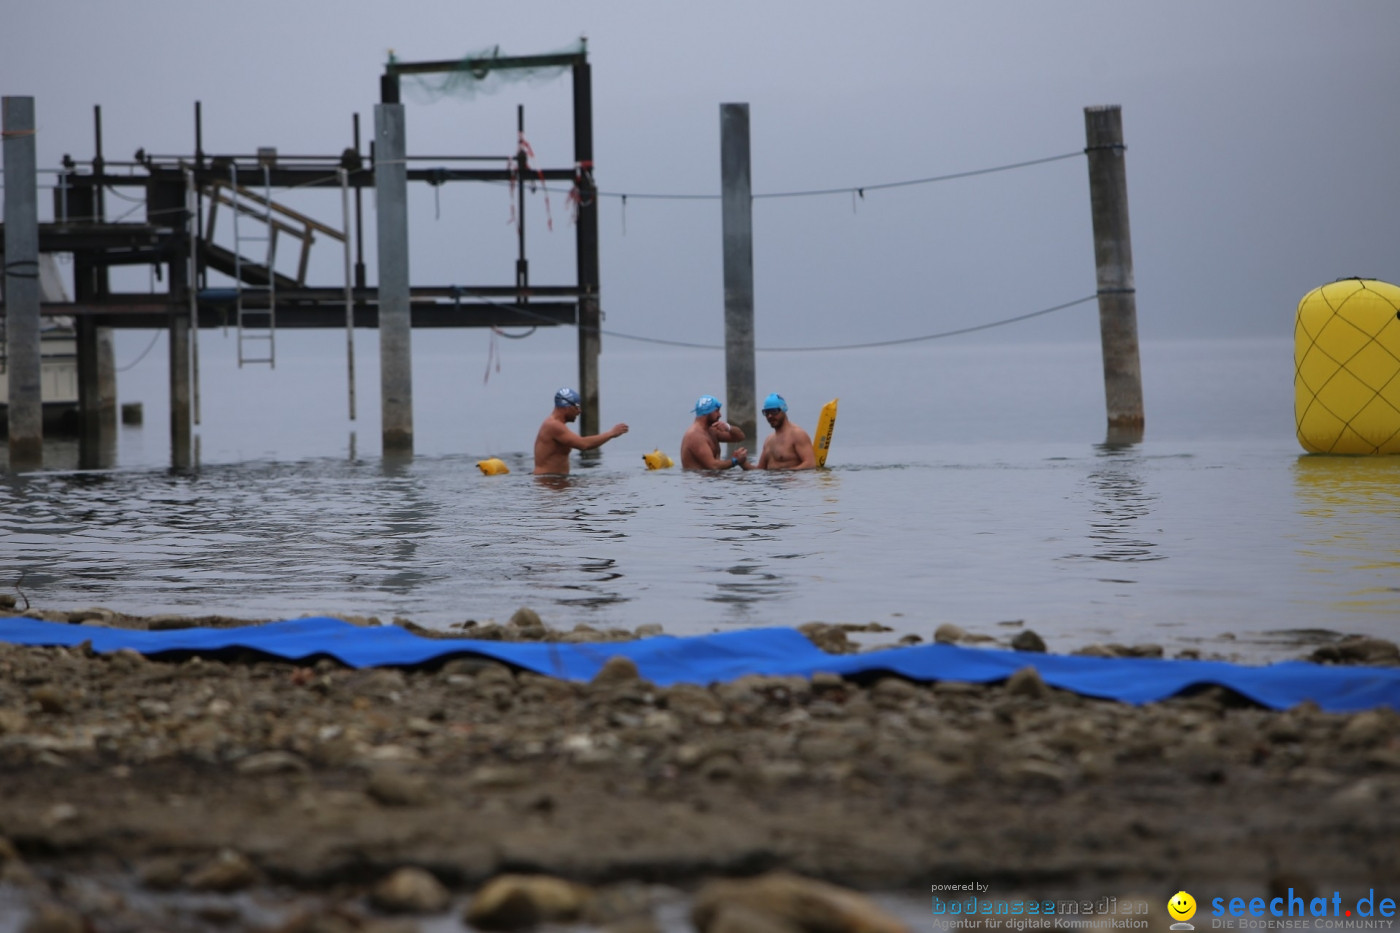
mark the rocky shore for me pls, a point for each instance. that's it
(240, 793)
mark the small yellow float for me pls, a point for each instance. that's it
(656, 460)
(1346, 358)
(493, 466)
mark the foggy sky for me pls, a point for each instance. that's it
(1262, 144)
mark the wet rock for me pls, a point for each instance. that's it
(616, 670)
(392, 787)
(169, 623)
(1028, 641)
(690, 701)
(789, 902)
(517, 902)
(1113, 650)
(228, 871)
(948, 634)
(1371, 728)
(51, 700)
(91, 615)
(649, 630)
(1358, 649)
(894, 692)
(498, 777)
(525, 617)
(1027, 682)
(583, 634)
(829, 638)
(273, 762)
(410, 891)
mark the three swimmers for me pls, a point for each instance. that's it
(789, 447)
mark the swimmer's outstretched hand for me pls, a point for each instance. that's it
(618, 430)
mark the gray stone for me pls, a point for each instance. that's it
(410, 891)
(1027, 682)
(1028, 641)
(616, 670)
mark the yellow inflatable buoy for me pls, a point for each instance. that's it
(1346, 358)
(826, 423)
(656, 460)
(493, 466)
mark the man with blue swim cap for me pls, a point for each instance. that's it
(556, 439)
(700, 445)
(789, 447)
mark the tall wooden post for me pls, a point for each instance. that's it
(21, 280)
(736, 199)
(590, 337)
(395, 308)
(1113, 254)
(165, 197)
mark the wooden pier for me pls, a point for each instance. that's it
(186, 195)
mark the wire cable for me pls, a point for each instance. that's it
(149, 347)
(849, 346)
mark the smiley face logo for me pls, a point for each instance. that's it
(1182, 906)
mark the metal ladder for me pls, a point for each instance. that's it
(257, 326)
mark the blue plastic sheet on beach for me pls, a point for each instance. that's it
(707, 659)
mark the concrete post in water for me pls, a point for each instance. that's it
(736, 194)
(395, 323)
(1113, 254)
(21, 282)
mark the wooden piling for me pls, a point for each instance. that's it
(736, 194)
(395, 325)
(590, 319)
(1113, 254)
(21, 279)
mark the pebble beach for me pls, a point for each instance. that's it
(241, 793)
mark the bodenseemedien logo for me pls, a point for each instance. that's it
(1182, 908)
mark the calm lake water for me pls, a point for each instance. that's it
(967, 484)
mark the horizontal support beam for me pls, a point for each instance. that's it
(141, 312)
(306, 177)
(495, 63)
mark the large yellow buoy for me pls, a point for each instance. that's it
(1346, 358)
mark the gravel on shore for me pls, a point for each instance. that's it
(246, 793)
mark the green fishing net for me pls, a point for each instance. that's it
(483, 72)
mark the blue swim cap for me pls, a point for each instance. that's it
(706, 404)
(566, 398)
(774, 401)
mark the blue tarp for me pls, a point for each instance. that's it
(707, 659)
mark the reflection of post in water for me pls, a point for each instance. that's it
(1122, 500)
(1352, 530)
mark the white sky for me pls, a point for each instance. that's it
(1262, 144)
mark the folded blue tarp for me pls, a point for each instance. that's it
(707, 659)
